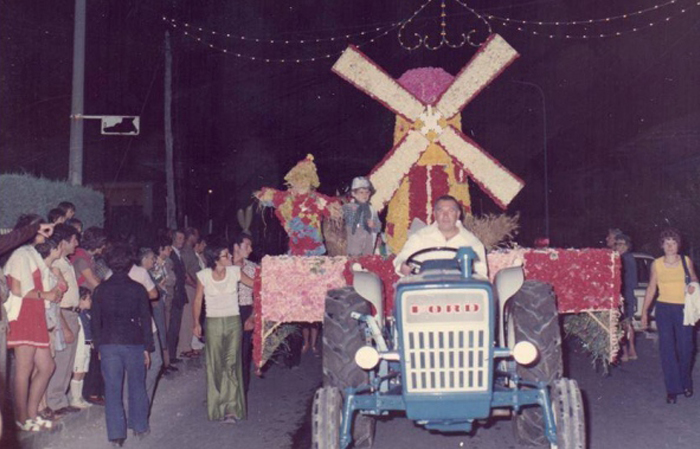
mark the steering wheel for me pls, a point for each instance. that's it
(415, 265)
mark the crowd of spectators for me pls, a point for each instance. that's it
(93, 321)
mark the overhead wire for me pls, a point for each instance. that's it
(143, 107)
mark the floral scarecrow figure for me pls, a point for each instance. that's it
(300, 208)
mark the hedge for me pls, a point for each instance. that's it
(22, 193)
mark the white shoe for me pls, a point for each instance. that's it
(43, 423)
(29, 425)
(75, 399)
(80, 403)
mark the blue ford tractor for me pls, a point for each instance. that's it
(457, 350)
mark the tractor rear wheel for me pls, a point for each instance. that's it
(532, 316)
(326, 417)
(342, 337)
(568, 414)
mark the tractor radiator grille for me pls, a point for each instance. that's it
(446, 340)
(446, 361)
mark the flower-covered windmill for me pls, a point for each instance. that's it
(431, 157)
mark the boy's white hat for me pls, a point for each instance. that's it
(361, 183)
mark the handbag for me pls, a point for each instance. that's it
(691, 309)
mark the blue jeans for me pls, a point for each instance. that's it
(675, 347)
(153, 371)
(118, 360)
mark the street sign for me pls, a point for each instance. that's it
(120, 125)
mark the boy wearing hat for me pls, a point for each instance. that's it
(361, 220)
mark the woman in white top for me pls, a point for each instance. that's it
(219, 282)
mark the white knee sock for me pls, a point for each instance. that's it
(76, 392)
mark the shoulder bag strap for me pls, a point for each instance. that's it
(685, 268)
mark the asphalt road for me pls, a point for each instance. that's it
(277, 409)
(624, 410)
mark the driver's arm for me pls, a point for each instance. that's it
(411, 246)
(481, 264)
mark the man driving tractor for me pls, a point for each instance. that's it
(446, 232)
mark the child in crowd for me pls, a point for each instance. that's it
(361, 220)
(82, 354)
(49, 251)
(67, 208)
(56, 216)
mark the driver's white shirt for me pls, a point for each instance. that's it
(430, 237)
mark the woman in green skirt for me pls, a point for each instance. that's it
(219, 283)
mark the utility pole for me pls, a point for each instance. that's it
(75, 160)
(169, 170)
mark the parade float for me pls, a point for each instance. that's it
(431, 157)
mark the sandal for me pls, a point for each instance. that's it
(229, 419)
(29, 426)
(43, 423)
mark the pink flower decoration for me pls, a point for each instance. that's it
(426, 83)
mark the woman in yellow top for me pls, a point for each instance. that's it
(675, 339)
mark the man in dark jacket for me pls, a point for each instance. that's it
(121, 331)
(623, 245)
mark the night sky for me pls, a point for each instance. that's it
(622, 112)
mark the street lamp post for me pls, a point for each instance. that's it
(544, 147)
(75, 160)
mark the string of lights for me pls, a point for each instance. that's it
(186, 31)
(581, 22)
(285, 41)
(424, 40)
(594, 34)
(478, 16)
(549, 29)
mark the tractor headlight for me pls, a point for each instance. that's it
(525, 353)
(367, 357)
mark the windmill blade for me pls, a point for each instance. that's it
(494, 179)
(359, 70)
(386, 177)
(492, 58)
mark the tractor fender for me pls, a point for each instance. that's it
(507, 282)
(369, 286)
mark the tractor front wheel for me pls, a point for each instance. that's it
(325, 424)
(568, 414)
